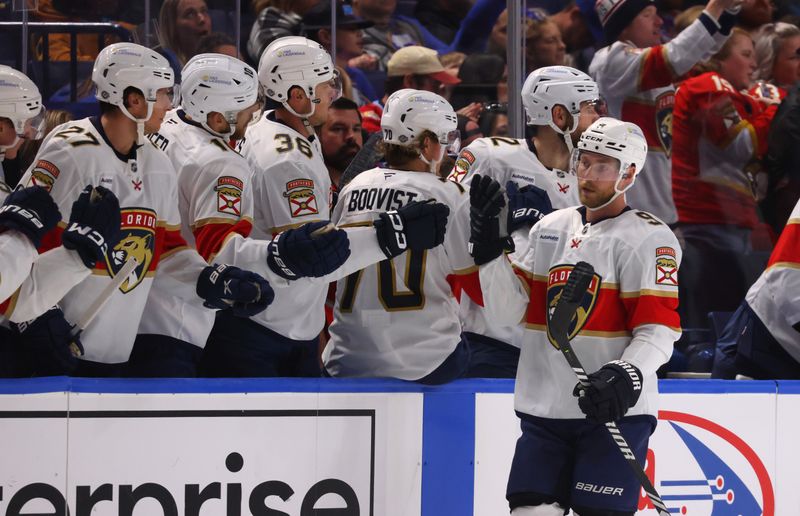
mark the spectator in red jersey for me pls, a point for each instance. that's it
(719, 136)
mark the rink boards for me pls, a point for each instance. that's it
(369, 447)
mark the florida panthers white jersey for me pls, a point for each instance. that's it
(629, 311)
(637, 84)
(17, 254)
(399, 318)
(507, 159)
(213, 190)
(775, 296)
(78, 153)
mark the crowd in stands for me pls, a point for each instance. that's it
(716, 95)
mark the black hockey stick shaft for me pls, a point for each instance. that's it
(364, 160)
(577, 284)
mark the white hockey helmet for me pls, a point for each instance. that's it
(620, 140)
(217, 83)
(123, 65)
(556, 85)
(21, 102)
(408, 113)
(296, 61)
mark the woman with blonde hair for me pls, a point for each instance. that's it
(181, 25)
(719, 136)
(778, 55)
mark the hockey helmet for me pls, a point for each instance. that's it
(408, 113)
(21, 102)
(557, 85)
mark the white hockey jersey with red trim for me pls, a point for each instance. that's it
(509, 159)
(17, 255)
(775, 296)
(399, 318)
(637, 84)
(629, 311)
(78, 153)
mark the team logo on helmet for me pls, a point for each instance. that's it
(664, 104)
(229, 195)
(666, 267)
(556, 280)
(301, 197)
(44, 174)
(138, 230)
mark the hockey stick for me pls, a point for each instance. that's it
(365, 159)
(99, 302)
(578, 282)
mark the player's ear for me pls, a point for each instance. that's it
(627, 177)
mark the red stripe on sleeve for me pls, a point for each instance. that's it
(650, 309)
(787, 250)
(656, 71)
(210, 237)
(51, 240)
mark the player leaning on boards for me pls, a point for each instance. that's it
(290, 189)
(560, 103)
(409, 330)
(133, 87)
(623, 331)
(635, 73)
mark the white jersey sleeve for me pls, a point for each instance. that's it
(16, 258)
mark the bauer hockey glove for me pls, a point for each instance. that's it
(314, 249)
(612, 390)
(417, 225)
(93, 224)
(48, 344)
(30, 210)
(485, 204)
(224, 286)
(526, 205)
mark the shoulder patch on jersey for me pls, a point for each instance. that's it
(301, 197)
(556, 279)
(229, 195)
(461, 168)
(44, 174)
(666, 267)
(138, 230)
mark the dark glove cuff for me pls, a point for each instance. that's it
(276, 262)
(631, 373)
(23, 220)
(389, 229)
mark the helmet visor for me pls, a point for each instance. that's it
(33, 128)
(451, 142)
(336, 85)
(597, 105)
(591, 166)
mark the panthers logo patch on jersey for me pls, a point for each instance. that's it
(229, 195)
(664, 105)
(44, 174)
(666, 267)
(301, 197)
(138, 230)
(557, 278)
(461, 168)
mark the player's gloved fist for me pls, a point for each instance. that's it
(93, 224)
(418, 225)
(526, 205)
(48, 343)
(486, 201)
(314, 249)
(30, 210)
(613, 389)
(224, 286)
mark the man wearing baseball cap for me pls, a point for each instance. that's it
(636, 72)
(413, 67)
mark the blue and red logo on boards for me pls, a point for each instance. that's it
(710, 471)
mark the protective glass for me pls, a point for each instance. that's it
(34, 127)
(599, 105)
(451, 142)
(591, 166)
(336, 86)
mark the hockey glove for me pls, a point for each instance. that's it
(48, 343)
(224, 286)
(310, 250)
(613, 389)
(30, 210)
(526, 205)
(93, 224)
(417, 225)
(486, 201)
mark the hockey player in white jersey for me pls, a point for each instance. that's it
(560, 103)
(636, 72)
(133, 85)
(399, 318)
(623, 331)
(291, 191)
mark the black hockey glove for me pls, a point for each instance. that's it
(485, 203)
(93, 224)
(225, 286)
(613, 389)
(30, 210)
(48, 343)
(526, 205)
(417, 225)
(313, 249)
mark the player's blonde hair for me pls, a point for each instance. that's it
(398, 156)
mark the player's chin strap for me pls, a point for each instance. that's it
(566, 133)
(139, 121)
(434, 163)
